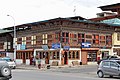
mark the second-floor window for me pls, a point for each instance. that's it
(33, 40)
(118, 36)
(23, 40)
(44, 39)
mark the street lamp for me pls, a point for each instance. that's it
(14, 40)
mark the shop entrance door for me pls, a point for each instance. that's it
(47, 58)
(84, 57)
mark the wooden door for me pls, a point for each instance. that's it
(84, 57)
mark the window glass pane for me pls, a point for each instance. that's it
(106, 63)
(73, 56)
(57, 55)
(77, 55)
(118, 36)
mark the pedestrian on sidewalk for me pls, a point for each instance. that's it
(33, 61)
(38, 61)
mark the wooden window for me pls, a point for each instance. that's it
(19, 39)
(57, 35)
(55, 55)
(77, 55)
(28, 38)
(19, 55)
(118, 36)
(74, 55)
(95, 36)
(109, 39)
(33, 40)
(58, 55)
(102, 37)
(95, 41)
(102, 42)
(24, 40)
(92, 56)
(89, 36)
(83, 35)
(89, 41)
(65, 37)
(73, 35)
(44, 39)
(70, 56)
(63, 34)
(67, 34)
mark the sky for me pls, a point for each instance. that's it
(28, 11)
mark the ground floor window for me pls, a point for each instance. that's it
(117, 51)
(105, 54)
(25, 55)
(92, 56)
(48, 54)
(74, 54)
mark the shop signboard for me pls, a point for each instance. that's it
(66, 48)
(86, 45)
(55, 45)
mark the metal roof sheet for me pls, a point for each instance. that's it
(114, 21)
(4, 31)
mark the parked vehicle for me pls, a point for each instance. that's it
(107, 58)
(5, 71)
(109, 67)
(10, 62)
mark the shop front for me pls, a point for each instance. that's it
(71, 57)
(58, 57)
(24, 56)
(89, 55)
(48, 56)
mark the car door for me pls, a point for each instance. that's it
(106, 67)
(114, 69)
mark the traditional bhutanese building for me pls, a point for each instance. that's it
(112, 20)
(63, 41)
(6, 43)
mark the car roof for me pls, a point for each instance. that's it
(113, 60)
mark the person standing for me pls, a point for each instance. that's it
(38, 61)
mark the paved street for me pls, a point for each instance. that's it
(74, 73)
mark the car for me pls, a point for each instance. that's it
(107, 58)
(5, 71)
(109, 67)
(10, 62)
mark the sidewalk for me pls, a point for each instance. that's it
(32, 67)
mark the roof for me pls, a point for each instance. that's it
(58, 19)
(105, 18)
(4, 31)
(112, 7)
(77, 18)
